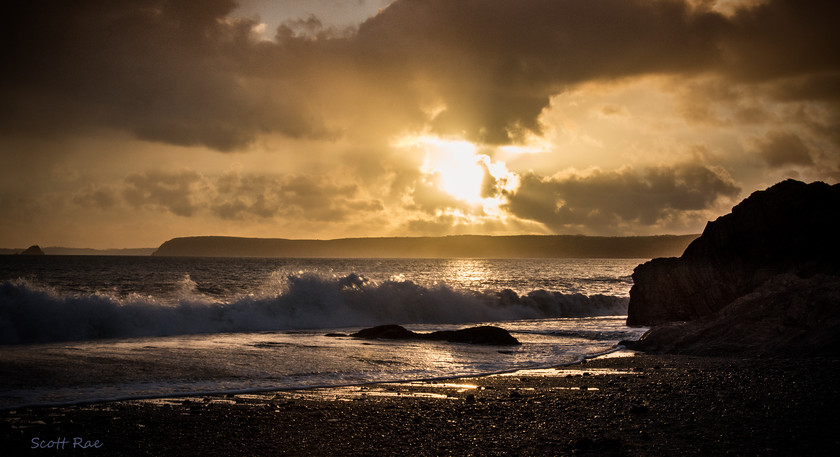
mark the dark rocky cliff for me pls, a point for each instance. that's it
(790, 227)
(778, 243)
(786, 316)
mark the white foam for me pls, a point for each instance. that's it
(32, 313)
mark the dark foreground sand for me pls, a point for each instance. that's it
(634, 406)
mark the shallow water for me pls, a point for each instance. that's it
(109, 328)
(241, 362)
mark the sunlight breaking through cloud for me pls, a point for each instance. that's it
(407, 117)
(455, 167)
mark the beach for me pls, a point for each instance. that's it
(627, 404)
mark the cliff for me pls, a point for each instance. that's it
(462, 246)
(786, 316)
(747, 267)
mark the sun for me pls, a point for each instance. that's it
(456, 167)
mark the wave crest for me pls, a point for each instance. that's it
(34, 314)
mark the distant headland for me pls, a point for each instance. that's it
(457, 246)
(57, 250)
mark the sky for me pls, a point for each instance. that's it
(127, 123)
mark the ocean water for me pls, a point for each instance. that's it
(77, 329)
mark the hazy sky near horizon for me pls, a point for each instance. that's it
(126, 123)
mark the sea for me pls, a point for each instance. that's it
(77, 329)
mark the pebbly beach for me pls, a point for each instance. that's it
(625, 404)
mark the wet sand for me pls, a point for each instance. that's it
(642, 405)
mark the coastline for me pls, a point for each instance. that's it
(611, 405)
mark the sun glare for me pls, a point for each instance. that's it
(455, 167)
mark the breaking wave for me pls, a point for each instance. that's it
(32, 314)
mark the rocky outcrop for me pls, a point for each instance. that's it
(786, 316)
(486, 334)
(789, 228)
(33, 250)
(386, 332)
(764, 278)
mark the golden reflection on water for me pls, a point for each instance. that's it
(438, 384)
(435, 356)
(468, 273)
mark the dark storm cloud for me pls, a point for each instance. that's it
(497, 62)
(784, 148)
(170, 71)
(819, 86)
(783, 38)
(186, 73)
(601, 201)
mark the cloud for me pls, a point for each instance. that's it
(190, 73)
(780, 149)
(782, 39)
(168, 71)
(133, 97)
(604, 202)
(234, 196)
(179, 192)
(496, 63)
(426, 195)
(238, 196)
(100, 197)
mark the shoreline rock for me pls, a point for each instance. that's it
(763, 279)
(790, 227)
(486, 334)
(788, 316)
